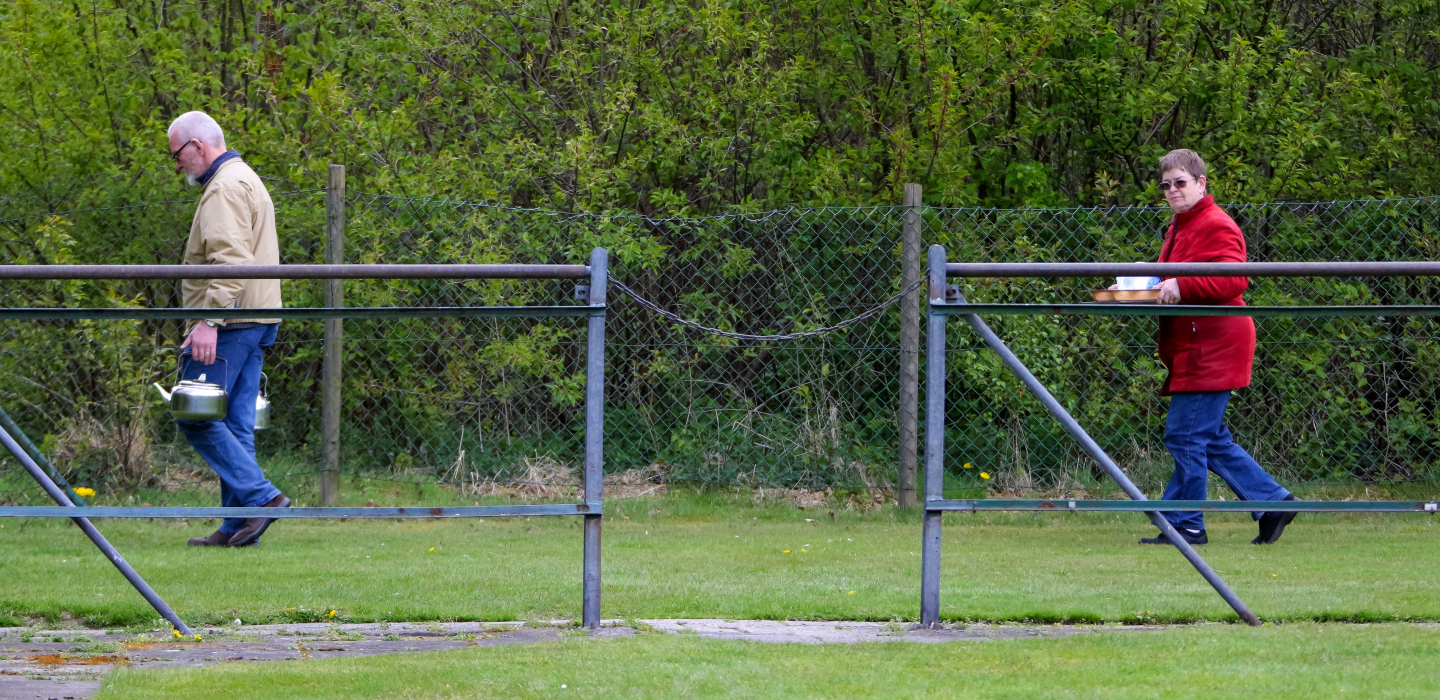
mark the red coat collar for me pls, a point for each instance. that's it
(1178, 221)
(1205, 203)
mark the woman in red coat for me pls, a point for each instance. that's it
(1207, 357)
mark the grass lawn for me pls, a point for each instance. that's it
(1300, 660)
(718, 555)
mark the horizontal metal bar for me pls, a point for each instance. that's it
(1179, 310)
(290, 272)
(1421, 268)
(409, 512)
(1002, 504)
(301, 313)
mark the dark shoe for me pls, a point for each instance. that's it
(214, 539)
(1273, 524)
(255, 527)
(1191, 537)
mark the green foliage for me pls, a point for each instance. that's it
(671, 123)
(678, 108)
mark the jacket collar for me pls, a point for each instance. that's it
(215, 166)
(1181, 219)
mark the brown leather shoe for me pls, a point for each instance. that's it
(255, 527)
(214, 539)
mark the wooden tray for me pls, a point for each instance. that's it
(1126, 296)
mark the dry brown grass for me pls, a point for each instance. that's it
(547, 479)
(864, 500)
(117, 450)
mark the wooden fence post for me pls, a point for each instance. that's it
(908, 411)
(330, 376)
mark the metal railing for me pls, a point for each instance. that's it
(593, 309)
(946, 301)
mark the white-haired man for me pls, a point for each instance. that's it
(234, 225)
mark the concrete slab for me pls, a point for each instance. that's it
(68, 664)
(812, 632)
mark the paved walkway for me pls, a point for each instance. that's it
(68, 664)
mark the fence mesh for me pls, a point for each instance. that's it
(472, 403)
(691, 406)
(1333, 400)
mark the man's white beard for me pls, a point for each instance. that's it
(192, 180)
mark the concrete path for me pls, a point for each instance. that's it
(853, 632)
(68, 664)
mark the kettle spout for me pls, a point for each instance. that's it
(163, 393)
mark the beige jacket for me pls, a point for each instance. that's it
(234, 225)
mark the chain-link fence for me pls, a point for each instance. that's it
(687, 405)
(473, 403)
(1334, 400)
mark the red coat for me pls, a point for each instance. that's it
(1206, 353)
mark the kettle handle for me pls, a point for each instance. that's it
(264, 385)
(186, 357)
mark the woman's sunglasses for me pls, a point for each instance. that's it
(1180, 184)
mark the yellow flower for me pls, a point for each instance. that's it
(787, 551)
(198, 639)
(176, 633)
(432, 549)
(84, 492)
(332, 613)
(984, 475)
(852, 592)
(969, 465)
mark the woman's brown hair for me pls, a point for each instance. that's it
(1183, 159)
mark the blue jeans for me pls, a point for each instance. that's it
(228, 445)
(1197, 437)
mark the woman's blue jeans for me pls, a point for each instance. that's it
(1197, 437)
(228, 445)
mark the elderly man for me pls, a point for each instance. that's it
(234, 225)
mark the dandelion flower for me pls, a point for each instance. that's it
(198, 639)
(432, 549)
(332, 613)
(176, 633)
(84, 492)
(787, 551)
(969, 465)
(984, 475)
(852, 592)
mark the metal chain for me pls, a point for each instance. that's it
(764, 338)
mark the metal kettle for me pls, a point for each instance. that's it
(197, 399)
(262, 404)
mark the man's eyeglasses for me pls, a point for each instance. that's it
(175, 154)
(1165, 185)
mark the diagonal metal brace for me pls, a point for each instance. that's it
(103, 544)
(1098, 454)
